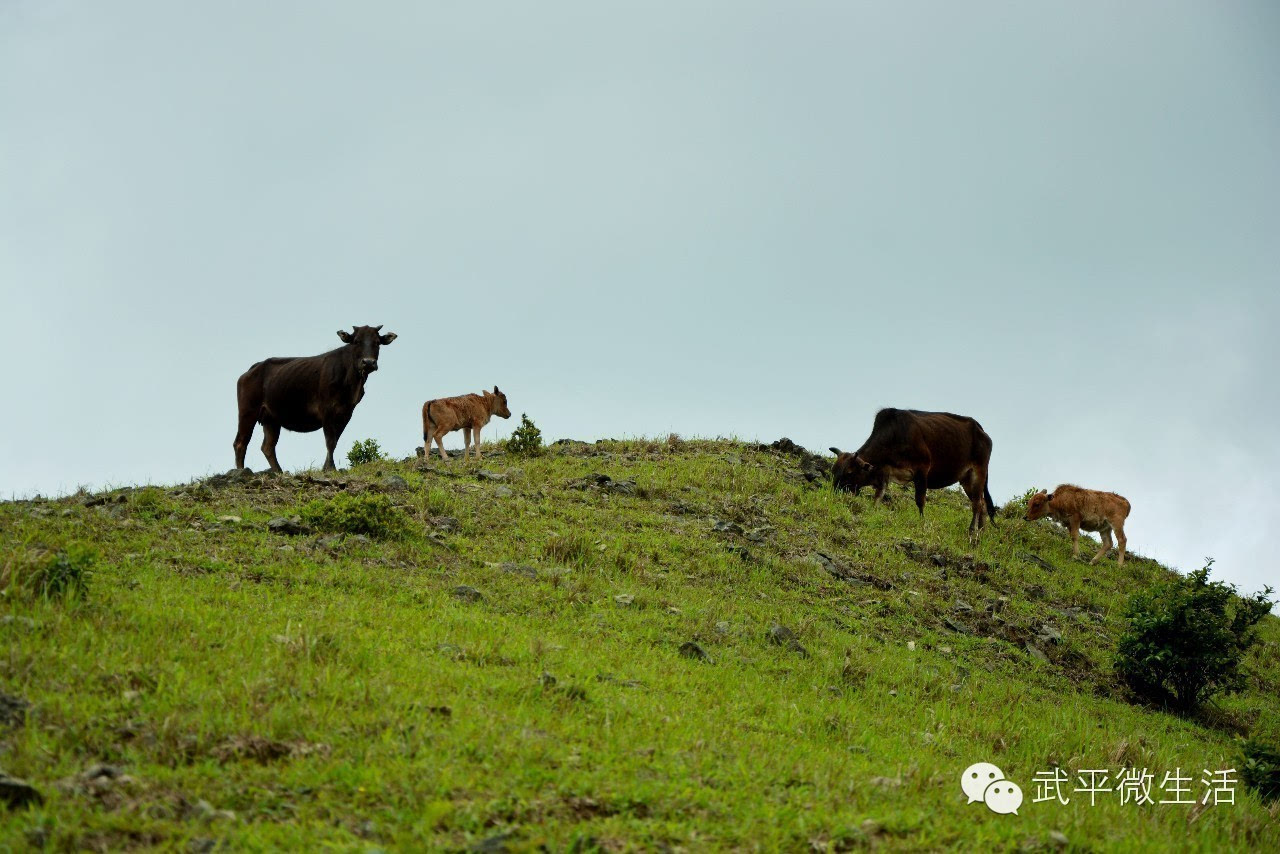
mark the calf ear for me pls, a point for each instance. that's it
(345, 336)
(384, 340)
(833, 449)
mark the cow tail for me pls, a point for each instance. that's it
(992, 509)
(426, 434)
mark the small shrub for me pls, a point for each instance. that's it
(1261, 768)
(367, 451)
(525, 439)
(574, 549)
(56, 574)
(371, 515)
(1186, 638)
(1017, 507)
(149, 504)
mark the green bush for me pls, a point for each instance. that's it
(60, 573)
(1261, 768)
(372, 515)
(365, 452)
(149, 503)
(525, 439)
(1185, 640)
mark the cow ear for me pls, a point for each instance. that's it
(384, 340)
(345, 336)
(833, 449)
(866, 466)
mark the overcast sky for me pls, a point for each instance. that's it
(731, 218)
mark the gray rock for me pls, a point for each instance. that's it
(13, 711)
(394, 483)
(961, 607)
(1058, 838)
(499, 844)
(516, 569)
(1048, 634)
(16, 794)
(448, 524)
(691, 649)
(467, 594)
(1037, 560)
(1037, 652)
(503, 492)
(780, 635)
(331, 541)
(22, 622)
(624, 598)
(723, 526)
(723, 627)
(286, 525)
(957, 626)
(486, 474)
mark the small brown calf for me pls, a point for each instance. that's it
(467, 412)
(1083, 508)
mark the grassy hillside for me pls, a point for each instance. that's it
(579, 651)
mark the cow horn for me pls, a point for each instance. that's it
(378, 328)
(833, 449)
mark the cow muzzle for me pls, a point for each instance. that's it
(368, 366)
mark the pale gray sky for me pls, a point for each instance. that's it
(757, 219)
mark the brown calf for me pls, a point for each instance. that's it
(467, 412)
(1083, 508)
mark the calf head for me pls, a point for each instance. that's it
(851, 472)
(1038, 505)
(366, 340)
(498, 404)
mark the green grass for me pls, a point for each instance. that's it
(266, 691)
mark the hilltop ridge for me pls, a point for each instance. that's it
(643, 644)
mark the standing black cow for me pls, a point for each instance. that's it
(307, 393)
(931, 449)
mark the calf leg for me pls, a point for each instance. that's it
(243, 435)
(1120, 537)
(1074, 527)
(1105, 534)
(440, 443)
(270, 435)
(476, 435)
(466, 441)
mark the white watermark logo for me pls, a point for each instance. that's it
(985, 782)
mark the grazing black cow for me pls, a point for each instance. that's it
(931, 449)
(307, 393)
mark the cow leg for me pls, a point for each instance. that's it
(1120, 538)
(271, 435)
(332, 433)
(922, 486)
(1105, 534)
(975, 490)
(243, 435)
(476, 437)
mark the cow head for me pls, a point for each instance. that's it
(1038, 505)
(851, 472)
(498, 405)
(366, 340)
